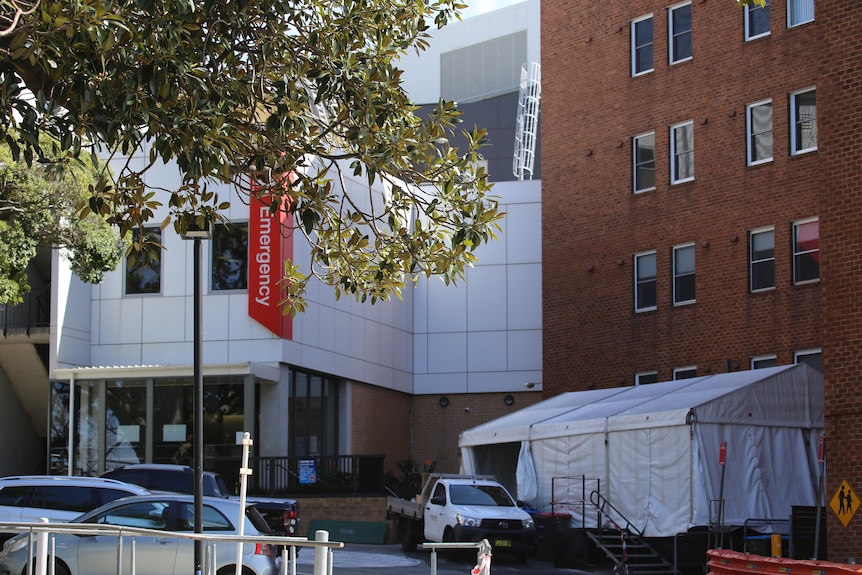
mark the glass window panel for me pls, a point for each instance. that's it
(644, 149)
(680, 26)
(125, 423)
(762, 260)
(806, 251)
(804, 110)
(799, 12)
(645, 281)
(682, 153)
(230, 257)
(756, 21)
(760, 132)
(144, 277)
(642, 40)
(684, 274)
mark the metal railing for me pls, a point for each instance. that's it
(41, 545)
(483, 554)
(33, 312)
(333, 474)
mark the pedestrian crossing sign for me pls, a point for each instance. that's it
(844, 503)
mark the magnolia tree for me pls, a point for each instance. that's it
(278, 97)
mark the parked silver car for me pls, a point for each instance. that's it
(160, 555)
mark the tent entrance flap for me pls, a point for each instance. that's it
(499, 460)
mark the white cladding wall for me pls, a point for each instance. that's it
(422, 72)
(482, 335)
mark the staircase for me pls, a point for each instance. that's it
(624, 544)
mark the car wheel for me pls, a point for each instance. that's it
(231, 570)
(60, 568)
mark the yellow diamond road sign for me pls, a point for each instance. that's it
(844, 503)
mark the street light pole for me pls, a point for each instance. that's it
(198, 233)
(199, 404)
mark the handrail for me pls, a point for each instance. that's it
(601, 502)
(288, 544)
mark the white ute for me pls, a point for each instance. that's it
(464, 508)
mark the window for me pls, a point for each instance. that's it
(646, 377)
(806, 251)
(758, 123)
(685, 372)
(810, 356)
(803, 121)
(644, 162)
(230, 257)
(645, 281)
(799, 12)
(756, 21)
(642, 45)
(679, 29)
(682, 153)
(763, 361)
(761, 259)
(683, 274)
(143, 275)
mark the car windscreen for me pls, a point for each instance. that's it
(480, 495)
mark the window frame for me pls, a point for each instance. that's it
(764, 358)
(636, 49)
(790, 12)
(644, 374)
(636, 166)
(684, 369)
(675, 155)
(751, 136)
(752, 262)
(797, 253)
(748, 20)
(684, 275)
(672, 34)
(638, 283)
(155, 268)
(795, 123)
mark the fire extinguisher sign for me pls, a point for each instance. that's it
(722, 453)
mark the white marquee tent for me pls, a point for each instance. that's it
(654, 451)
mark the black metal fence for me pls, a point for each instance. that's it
(322, 475)
(33, 312)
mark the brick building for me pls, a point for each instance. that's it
(694, 154)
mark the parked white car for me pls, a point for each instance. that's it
(160, 555)
(29, 498)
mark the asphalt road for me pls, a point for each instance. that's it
(362, 559)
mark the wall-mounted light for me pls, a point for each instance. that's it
(509, 400)
(443, 401)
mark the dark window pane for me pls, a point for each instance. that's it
(758, 20)
(144, 276)
(230, 257)
(681, 30)
(65, 498)
(643, 40)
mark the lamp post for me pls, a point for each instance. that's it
(196, 233)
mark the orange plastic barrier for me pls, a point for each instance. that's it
(723, 562)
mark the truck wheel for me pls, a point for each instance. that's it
(408, 534)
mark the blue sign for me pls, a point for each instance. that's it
(307, 471)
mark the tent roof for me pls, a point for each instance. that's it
(787, 396)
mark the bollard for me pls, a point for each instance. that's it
(42, 550)
(320, 553)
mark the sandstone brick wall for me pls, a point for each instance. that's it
(381, 423)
